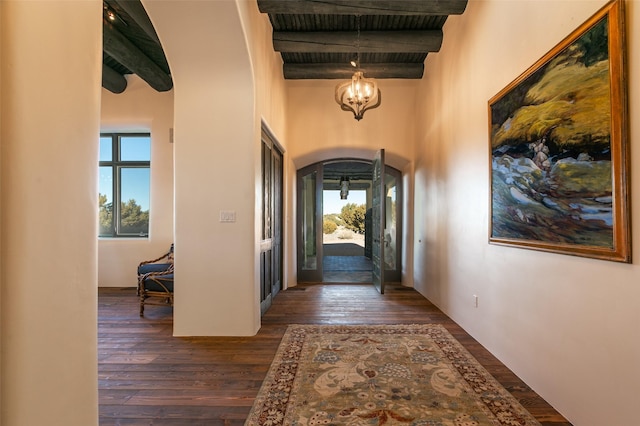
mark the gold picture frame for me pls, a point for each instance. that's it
(558, 145)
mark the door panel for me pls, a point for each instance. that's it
(309, 224)
(378, 211)
(393, 225)
(276, 245)
(265, 281)
(271, 240)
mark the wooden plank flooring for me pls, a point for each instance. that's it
(148, 377)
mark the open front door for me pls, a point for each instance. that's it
(378, 220)
(309, 223)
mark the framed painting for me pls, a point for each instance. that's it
(558, 147)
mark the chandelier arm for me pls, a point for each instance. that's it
(377, 104)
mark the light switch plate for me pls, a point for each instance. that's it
(227, 216)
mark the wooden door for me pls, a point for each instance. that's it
(378, 210)
(271, 241)
(309, 223)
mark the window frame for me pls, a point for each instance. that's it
(117, 165)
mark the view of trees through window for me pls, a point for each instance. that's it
(351, 217)
(124, 185)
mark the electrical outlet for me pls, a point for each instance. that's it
(475, 300)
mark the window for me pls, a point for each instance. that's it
(124, 184)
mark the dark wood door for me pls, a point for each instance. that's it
(309, 223)
(378, 220)
(271, 241)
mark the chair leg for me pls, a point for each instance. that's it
(141, 304)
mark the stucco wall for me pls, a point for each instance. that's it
(270, 110)
(566, 325)
(1, 286)
(217, 113)
(50, 107)
(318, 129)
(140, 109)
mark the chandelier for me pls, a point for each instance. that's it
(359, 94)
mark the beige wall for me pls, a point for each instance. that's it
(318, 129)
(270, 109)
(220, 96)
(1, 280)
(49, 109)
(140, 109)
(566, 325)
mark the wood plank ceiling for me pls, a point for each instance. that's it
(317, 39)
(130, 45)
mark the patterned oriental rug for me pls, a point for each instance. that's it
(380, 375)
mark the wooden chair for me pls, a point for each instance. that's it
(155, 281)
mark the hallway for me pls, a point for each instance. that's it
(147, 376)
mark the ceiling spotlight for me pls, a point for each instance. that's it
(111, 15)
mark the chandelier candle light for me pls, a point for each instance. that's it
(359, 94)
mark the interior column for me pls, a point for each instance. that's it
(50, 78)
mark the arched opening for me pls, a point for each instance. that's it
(334, 222)
(217, 150)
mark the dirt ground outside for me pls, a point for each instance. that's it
(343, 242)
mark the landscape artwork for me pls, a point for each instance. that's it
(558, 148)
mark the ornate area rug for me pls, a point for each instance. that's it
(380, 375)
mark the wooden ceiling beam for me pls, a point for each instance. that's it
(347, 41)
(363, 7)
(124, 51)
(136, 11)
(112, 80)
(345, 71)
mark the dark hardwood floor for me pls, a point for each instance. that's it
(148, 377)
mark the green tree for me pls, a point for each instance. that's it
(133, 219)
(353, 216)
(328, 226)
(105, 211)
(333, 217)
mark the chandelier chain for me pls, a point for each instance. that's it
(358, 94)
(358, 41)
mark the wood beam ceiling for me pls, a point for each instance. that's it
(136, 11)
(113, 81)
(124, 51)
(363, 7)
(390, 38)
(345, 71)
(369, 41)
(316, 39)
(131, 45)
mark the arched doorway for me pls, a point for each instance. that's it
(213, 229)
(341, 191)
